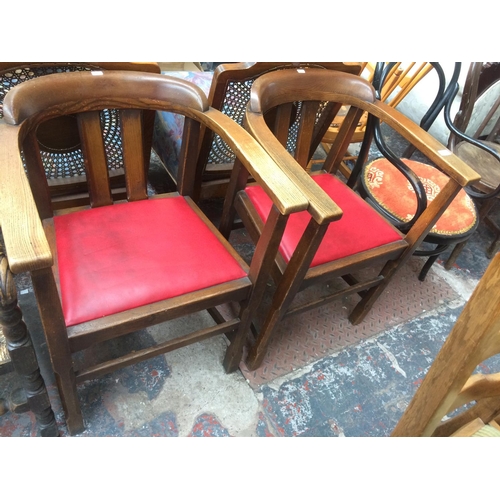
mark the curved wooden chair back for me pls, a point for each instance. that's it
(59, 139)
(450, 383)
(103, 271)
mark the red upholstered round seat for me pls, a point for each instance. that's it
(391, 190)
(118, 257)
(361, 228)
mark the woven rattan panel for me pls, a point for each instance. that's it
(66, 163)
(234, 105)
(304, 338)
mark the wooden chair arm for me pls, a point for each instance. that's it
(437, 153)
(25, 243)
(282, 191)
(321, 207)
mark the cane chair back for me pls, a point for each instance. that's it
(103, 271)
(341, 236)
(450, 383)
(229, 92)
(59, 139)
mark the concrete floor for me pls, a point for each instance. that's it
(358, 390)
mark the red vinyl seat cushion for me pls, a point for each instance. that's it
(390, 188)
(360, 228)
(118, 257)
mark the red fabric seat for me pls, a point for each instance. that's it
(391, 190)
(359, 229)
(127, 255)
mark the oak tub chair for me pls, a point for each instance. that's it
(59, 139)
(111, 268)
(341, 236)
(228, 90)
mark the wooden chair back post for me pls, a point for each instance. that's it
(449, 382)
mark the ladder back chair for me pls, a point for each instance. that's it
(451, 384)
(59, 139)
(400, 187)
(341, 235)
(103, 271)
(229, 92)
(475, 137)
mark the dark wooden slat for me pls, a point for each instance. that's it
(365, 285)
(343, 139)
(133, 154)
(36, 176)
(89, 125)
(306, 132)
(281, 126)
(151, 352)
(189, 174)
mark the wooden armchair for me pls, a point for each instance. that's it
(103, 271)
(341, 236)
(59, 140)
(450, 383)
(229, 92)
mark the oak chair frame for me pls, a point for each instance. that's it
(278, 90)
(26, 211)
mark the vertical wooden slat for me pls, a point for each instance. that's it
(96, 169)
(37, 177)
(343, 139)
(282, 121)
(190, 170)
(306, 132)
(133, 154)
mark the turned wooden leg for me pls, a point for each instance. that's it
(22, 354)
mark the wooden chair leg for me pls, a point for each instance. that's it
(60, 354)
(457, 250)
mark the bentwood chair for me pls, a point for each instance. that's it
(59, 140)
(400, 187)
(475, 137)
(229, 92)
(103, 271)
(400, 81)
(341, 236)
(450, 383)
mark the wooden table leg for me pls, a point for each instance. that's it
(22, 354)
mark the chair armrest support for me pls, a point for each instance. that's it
(282, 191)
(439, 154)
(321, 207)
(25, 242)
